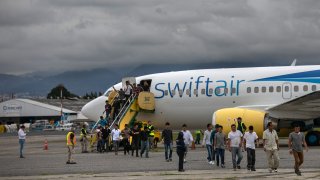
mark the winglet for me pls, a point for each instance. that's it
(294, 62)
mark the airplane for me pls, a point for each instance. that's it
(284, 95)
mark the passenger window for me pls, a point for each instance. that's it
(278, 88)
(263, 89)
(218, 90)
(286, 88)
(248, 89)
(173, 92)
(210, 91)
(305, 88)
(314, 87)
(233, 90)
(296, 88)
(271, 89)
(226, 90)
(188, 92)
(166, 92)
(203, 91)
(256, 90)
(180, 93)
(195, 92)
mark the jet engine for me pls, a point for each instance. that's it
(228, 116)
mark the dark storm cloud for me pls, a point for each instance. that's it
(62, 35)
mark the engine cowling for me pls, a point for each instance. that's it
(226, 117)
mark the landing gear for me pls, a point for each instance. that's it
(313, 138)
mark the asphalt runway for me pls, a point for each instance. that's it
(39, 162)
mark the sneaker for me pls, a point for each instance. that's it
(170, 159)
(222, 165)
(270, 170)
(181, 170)
(210, 162)
(184, 160)
(275, 170)
(253, 169)
(22, 157)
(167, 160)
(238, 167)
(248, 169)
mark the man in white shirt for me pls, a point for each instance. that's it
(249, 140)
(128, 90)
(206, 141)
(22, 139)
(187, 136)
(271, 147)
(235, 145)
(115, 133)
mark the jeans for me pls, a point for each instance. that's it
(251, 158)
(220, 153)
(21, 142)
(144, 147)
(236, 151)
(168, 147)
(209, 149)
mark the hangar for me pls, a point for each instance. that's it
(20, 111)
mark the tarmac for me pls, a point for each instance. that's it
(51, 163)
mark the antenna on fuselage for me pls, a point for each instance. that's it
(294, 62)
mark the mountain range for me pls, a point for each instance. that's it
(86, 81)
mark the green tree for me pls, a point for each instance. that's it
(55, 93)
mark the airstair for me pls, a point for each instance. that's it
(144, 102)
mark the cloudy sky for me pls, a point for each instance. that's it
(63, 35)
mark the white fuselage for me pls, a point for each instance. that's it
(191, 97)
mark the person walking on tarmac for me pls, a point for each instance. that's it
(126, 139)
(296, 139)
(116, 133)
(187, 136)
(181, 149)
(22, 138)
(71, 142)
(240, 125)
(167, 139)
(135, 133)
(144, 142)
(151, 134)
(271, 147)
(84, 139)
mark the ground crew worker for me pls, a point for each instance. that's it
(71, 142)
(198, 136)
(241, 126)
(84, 139)
(151, 134)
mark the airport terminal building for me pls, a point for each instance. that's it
(18, 111)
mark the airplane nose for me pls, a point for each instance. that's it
(94, 109)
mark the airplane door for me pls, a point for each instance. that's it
(286, 90)
(130, 79)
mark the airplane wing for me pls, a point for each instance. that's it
(303, 108)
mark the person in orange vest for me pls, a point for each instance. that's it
(71, 142)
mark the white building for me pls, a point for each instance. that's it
(25, 111)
